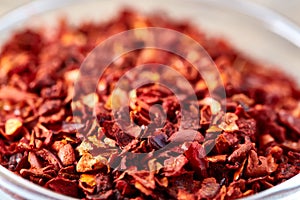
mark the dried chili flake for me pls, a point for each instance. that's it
(33, 160)
(222, 144)
(88, 179)
(14, 160)
(217, 158)
(247, 127)
(260, 166)
(196, 156)
(209, 188)
(174, 166)
(84, 147)
(214, 105)
(240, 152)
(88, 162)
(229, 123)
(254, 142)
(184, 195)
(235, 189)
(239, 172)
(49, 107)
(125, 188)
(242, 99)
(13, 127)
(49, 157)
(63, 186)
(66, 155)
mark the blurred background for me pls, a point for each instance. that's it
(289, 8)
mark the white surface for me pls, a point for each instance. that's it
(289, 9)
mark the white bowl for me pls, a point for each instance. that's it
(255, 31)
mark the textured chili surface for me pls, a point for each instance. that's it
(255, 147)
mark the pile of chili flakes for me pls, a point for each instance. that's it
(256, 146)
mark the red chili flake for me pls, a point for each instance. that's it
(125, 188)
(217, 158)
(50, 107)
(45, 173)
(247, 127)
(63, 186)
(209, 188)
(66, 155)
(260, 166)
(294, 146)
(254, 142)
(183, 194)
(49, 157)
(266, 140)
(241, 152)
(33, 160)
(102, 196)
(290, 121)
(239, 171)
(276, 152)
(196, 156)
(278, 132)
(222, 193)
(222, 144)
(174, 166)
(205, 116)
(286, 171)
(235, 189)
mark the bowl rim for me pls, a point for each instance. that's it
(269, 18)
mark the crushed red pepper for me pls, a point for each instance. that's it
(256, 147)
